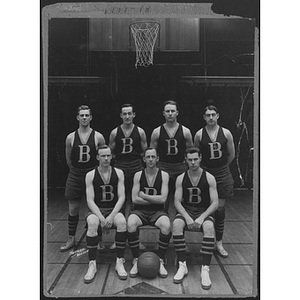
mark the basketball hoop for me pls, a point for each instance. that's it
(144, 34)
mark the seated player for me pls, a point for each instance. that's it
(196, 200)
(105, 198)
(149, 195)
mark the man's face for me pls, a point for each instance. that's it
(104, 156)
(193, 160)
(127, 115)
(151, 158)
(84, 117)
(170, 112)
(211, 117)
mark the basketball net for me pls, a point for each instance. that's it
(144, 34)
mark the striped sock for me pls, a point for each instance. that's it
(219, 223)
(92, 243)
(72, 223)
(134, 242)
(180, 247)
(207, 249)
(120, 238)
(163, 244)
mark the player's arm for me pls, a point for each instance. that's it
(188, 137)
(99, 139)
(230, 146)
(159, 199)
(112, 141)
(68, 149)
(143, 136)
(136, 199)
(177, 201)
(154, 138)
(121, 194)
(197, 138)
(90, 196)
(214, 198)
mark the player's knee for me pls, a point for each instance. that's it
(208, 228)
(164, 225)
(178, 226)
(220, 213)
(132, 223)
(93, 224)
(121, 223)
(73, 208)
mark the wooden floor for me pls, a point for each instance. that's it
(63, 275)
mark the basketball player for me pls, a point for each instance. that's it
(149, 195)
(128, 142)
(105, 198)
(81, 158)
(217, 148)
(196, 200)
(171, 139)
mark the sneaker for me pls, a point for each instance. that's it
(122, 274)
(162, 273)
(134, 270)
(205, 280)
(142, 247)
(90, 275)
(181, 272)
(220, 250)
(68, 245)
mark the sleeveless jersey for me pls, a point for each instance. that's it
(198, 195)
(154, 189)
(83, 156)
(128, 148)
(171, 150)
(214, 154)
(106, 194)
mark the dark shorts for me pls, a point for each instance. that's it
(224, 181)
(194, 214)
(149, 217)
(104, 211)
(173, 169)
(129, 167)
(75, 185)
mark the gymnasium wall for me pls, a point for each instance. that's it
(105, 80)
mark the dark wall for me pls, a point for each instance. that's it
(146, 88)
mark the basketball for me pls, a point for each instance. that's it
(148, 264)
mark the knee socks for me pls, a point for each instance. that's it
(163, 244)
(72, 223)
(180, 247)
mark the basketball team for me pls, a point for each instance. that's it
(128, 184)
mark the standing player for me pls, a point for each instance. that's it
(171, 139)
(81, 158)
(105, 198)
(217, 148)
(128, 142)
(149, 195)
(196, 199)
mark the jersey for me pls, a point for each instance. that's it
(128, 148)
(151, 189)
(214, 154)
(106, 193)
(171, 149)
(83, 156)
(195, 195)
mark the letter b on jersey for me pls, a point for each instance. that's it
(215, 150)
(194, 195)
(107, 193)
(172, 147)
(84, 155)
(127, 145)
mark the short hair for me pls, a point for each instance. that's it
(210, 107)
(191, 150)
(102, 147)
(171, 102)
(83, 107)
(150, 148)
(127, 105)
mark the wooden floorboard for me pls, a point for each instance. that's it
(63, 276)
